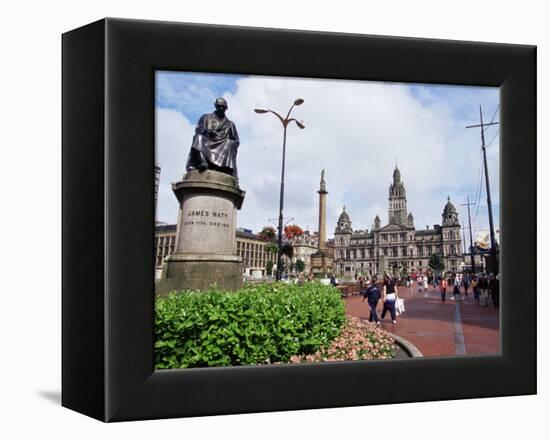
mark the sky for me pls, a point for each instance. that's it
(357, 131)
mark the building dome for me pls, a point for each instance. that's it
(376, 222)
(410, 220)
(344, 223)
(450, 216)
(344, 217)
(449, 207)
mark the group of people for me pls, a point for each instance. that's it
(483, 287)
(385, 290)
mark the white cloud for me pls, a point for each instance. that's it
(355, 131)
(173, 138)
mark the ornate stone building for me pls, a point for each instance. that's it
(304, 246)
(397, 246)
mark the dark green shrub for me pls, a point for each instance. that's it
(259, 324)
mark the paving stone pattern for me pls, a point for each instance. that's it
(436, 328)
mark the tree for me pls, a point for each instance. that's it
(292, 231)
(299, 266)
(271, 249)
(287, 250)
(268, 233)
(291, 267)
(436, 263)
(269, 267)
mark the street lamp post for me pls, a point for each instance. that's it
(285, 122)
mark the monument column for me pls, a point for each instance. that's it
(321, 262)
(322, 213)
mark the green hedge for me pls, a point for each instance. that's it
(259, 324)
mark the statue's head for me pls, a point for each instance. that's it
(221, 105)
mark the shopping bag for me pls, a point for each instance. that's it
(400, 306)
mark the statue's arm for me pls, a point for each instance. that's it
(201, 125)
(234, 136)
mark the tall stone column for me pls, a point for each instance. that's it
(321, 262)
(322, 213)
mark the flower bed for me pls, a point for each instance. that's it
(359, 340)
(262, 324)
(254, 325)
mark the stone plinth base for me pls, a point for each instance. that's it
(199, 272)
(382, 265)
(321, 262)
(206, 246)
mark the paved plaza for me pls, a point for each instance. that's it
(436, 328)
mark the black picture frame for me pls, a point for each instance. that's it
(108, 219)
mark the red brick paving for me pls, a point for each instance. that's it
(430, 324)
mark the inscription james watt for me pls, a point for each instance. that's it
(198, 217)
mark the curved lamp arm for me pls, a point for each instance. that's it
(260, 110)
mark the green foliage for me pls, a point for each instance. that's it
(258, 324)
(287, 249)
(271, 248)
(436, 263)
(269, 267)
(268, 233)
(299, 266)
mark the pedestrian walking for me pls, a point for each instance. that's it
(483, 291)
(425, 286)
(443, 289)
(390, 297)
(475, 288)
(419, 282)
(466, 284)
(450, 284)
(456, 288)
(372, 294)
(494, 289)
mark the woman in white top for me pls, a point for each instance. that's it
(390, 297)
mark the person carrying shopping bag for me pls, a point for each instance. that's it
(390, 297)
(456, 289)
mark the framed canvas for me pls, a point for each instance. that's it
(109, 71)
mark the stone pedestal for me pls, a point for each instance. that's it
(321, 263)
(382, 265)
(206, 246)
